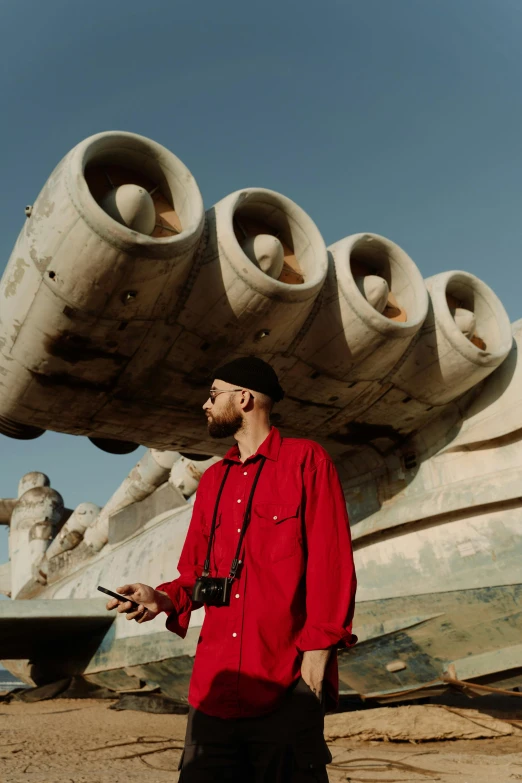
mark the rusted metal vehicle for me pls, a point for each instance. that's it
(121, 295)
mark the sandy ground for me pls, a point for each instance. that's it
(83, 741)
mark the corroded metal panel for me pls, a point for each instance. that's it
(476, 630)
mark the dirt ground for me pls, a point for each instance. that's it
(83, 741)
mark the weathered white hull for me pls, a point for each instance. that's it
(445, 593)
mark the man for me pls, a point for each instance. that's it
(269, 527)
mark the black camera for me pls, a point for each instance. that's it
(212, 591)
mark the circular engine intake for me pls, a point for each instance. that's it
(263, 267)
(466, 336)
(101, 261)
(140, 186)
(290, 249)
(374, 302)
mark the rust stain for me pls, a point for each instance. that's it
(61, 379)
(74, 348)
(17, 325)
(16, 277)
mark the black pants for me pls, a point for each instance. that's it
(286, 746)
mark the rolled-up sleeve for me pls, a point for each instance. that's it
(190, 566)
(330, 572)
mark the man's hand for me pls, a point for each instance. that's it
(150, 602)
(312, 669)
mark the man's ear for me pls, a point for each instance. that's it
(247, 403)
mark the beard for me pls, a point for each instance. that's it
(227, 424)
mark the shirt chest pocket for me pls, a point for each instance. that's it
(276, 531)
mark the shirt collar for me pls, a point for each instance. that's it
(269, 448)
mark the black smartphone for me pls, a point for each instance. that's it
(118, 596)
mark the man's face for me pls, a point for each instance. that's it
(224, 415)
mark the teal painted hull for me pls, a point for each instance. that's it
(477, 631)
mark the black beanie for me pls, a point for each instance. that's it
(251, 373)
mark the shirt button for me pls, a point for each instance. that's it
(234, 635)
(237, 595)
(245, 473)
(239, 501)
(239, 530)
(274, 517)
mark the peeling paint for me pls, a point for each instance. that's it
(16, 278)
(40, 263)
(17, 325)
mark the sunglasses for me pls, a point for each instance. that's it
(214, 392)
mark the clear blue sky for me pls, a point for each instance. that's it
(401, 117)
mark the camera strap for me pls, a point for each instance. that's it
(206, 566)
(246, 519)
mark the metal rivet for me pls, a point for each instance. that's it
(128, 296)
(262, 334)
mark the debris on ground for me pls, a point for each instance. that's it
(420, 723)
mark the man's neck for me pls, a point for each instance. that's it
(251, 437)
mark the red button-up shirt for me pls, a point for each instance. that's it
(295, 589)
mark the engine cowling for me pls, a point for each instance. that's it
(371, 307)
(264, 265)
(149, 473)
(93, 275)
(186, 473)
(34, 521)
(71, 533)
(251, 292)
(466, 336)
(374, 303)
(122, 296)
